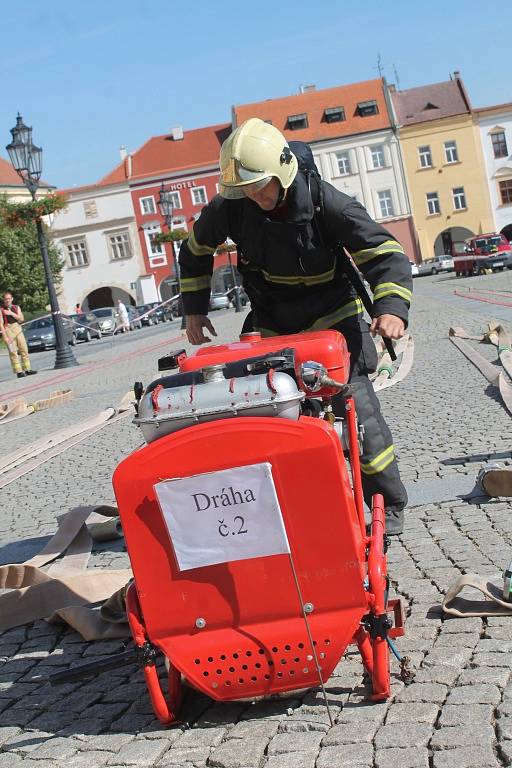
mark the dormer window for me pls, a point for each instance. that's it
(367, 108)
(296, 122)
(334, 115)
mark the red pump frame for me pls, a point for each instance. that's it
(245, 627)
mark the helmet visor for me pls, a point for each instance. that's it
(234, 177)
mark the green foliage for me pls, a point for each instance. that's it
(21, 267)
(175, 236)
(17, 214)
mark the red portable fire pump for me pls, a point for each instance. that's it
(246, 628)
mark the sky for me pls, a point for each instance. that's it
(92, 76)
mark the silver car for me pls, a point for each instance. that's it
(40, 333)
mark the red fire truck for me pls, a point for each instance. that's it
(478, 254)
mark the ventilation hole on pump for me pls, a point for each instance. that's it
(322, 655)
(219, 671)
(235, 655)
(254, 679)
(206, 673)
(223, 657)
(296, 659)
(248, 653)
(270, 663)
(300, 645)
(231, 669)
(197, 661)
(267, 677)
(227, 682)
(314, 642)
(327, 642)
(261, 651)
(244, 666)
(291, 672)
(240, 679)
(287, 647)
(279, 674)
(210, 658)
(283, 661)
(257, 665)
(275, 649)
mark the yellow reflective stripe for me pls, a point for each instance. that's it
(380, 462)
(351, 308)
(196, 248)
(195, 283)
(367, 254)
(324, 277)
(386, 289)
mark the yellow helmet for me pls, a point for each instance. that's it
(251, 155)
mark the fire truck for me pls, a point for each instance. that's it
(481, 253)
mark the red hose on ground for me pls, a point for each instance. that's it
(481, 298)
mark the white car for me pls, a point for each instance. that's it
(414, 269)
(442, 263)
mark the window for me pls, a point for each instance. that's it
(386, 203)
(296, 122)
(198, 195)
(433, 203)
(147, 204)
(506, 192)
(377, 156)
(343, 159)
(367, 108)
(156, 251)
(175, 199)
(77, 254)
(120, 245)
(450, 152)
(459, 198)
(334, 115)
(425, 157)
(499, 144)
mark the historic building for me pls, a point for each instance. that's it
(495, 124)
(351, 133)
(444, 165)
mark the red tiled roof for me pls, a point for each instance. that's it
(506, 106)
(314, 103)
(431, 102)
(163, 154)
(9, 177)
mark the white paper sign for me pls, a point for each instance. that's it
(221, 516)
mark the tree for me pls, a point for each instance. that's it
(21, 266)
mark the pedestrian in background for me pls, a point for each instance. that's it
(123, 316)
(11, 318)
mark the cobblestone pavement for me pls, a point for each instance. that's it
(457, 711)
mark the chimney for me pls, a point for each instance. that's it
(123, 152)
(128, 166)
(307, 88)
(392, 88)
(456, 74)
(177, 133)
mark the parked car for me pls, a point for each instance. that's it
(40, 333)
(108, 322)
(163, 312)
(133, 317)
(219, 301)
(149, 317)
(86, 326)
(442, 263)
(414, 269)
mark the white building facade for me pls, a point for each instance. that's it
(495, 124)
(97, 238)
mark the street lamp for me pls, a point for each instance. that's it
(27, 161)
(165, 204)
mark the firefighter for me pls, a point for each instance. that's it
(289, 227)
(11, 318)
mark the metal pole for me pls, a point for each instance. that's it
(238, 304)
(168, 221)
(64, 357)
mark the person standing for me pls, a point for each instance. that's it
(123, 316)
(11, 318)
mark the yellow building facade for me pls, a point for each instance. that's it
(444, 166)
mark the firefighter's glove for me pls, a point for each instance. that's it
(195, 325)
(389, 326)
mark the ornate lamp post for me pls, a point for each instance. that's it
(166, 207)
(27, 161)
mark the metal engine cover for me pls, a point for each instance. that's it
(167, 409)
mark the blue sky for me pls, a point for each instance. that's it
(91, 76)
